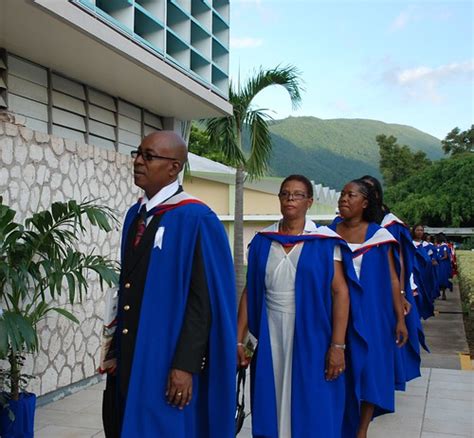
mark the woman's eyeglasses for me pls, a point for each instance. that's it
(297, 196)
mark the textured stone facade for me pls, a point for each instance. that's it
(37, 169)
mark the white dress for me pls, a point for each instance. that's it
(280, 275)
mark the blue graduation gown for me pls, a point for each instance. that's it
(378, 377)
(433, 253)
(212, 409)
(318, 406)
(445, 271)
(407, 358)
(422, 271)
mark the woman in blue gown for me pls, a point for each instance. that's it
(424, 278)
(296, 303)
(407, 359)
(445, 270)
(373, 259)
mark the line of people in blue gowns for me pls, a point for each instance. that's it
(393, 276)
(433, 269)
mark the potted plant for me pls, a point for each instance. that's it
(39, 261)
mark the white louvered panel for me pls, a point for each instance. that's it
(102, 130)
(61, 131)
(129, 138)
(69, 120)
(102, 142)
(68, 103)
(26, 70)
(3, 85)
(129, 124)
(125, 148)
(149, 130)
(36, 125)
(101, 99)
(68, 87)
(102, 115)
(27, 107)
(129, 110)
(28, 89)
(152, 120)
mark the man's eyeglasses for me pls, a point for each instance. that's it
(149, 157)
(297, 196)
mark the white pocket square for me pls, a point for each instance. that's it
(159, 237)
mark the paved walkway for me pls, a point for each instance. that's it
(445, 335)
(440, 404)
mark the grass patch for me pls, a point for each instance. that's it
(466, 285)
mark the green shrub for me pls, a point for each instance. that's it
(466, 278)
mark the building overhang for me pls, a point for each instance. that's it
(66, 38)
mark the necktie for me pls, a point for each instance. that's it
(141, 226)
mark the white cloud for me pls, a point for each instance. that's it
(447, 71)
(400, 21)
(423, 83)
(245, 42)
(403, 19)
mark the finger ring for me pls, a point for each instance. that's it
(179, 394)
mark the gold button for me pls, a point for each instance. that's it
(125, 331)
(127, 285)
(126, 307)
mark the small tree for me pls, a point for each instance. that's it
(38, 262)
(398, 162)
(457, 142)
(227, 133)
(199, 145)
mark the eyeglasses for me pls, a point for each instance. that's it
(149, 157)
(297, 196)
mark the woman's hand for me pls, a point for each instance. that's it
(406, 306)
(335, 363)
(401, 333)
(242, 359)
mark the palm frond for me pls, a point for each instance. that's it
(223, 132)
(286, 76)
(260, 143)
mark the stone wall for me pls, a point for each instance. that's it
(37, 169)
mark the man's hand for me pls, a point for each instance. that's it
(180, 388)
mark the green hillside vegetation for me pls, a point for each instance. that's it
(332, 152)
(440, 195)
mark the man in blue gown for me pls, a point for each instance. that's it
(176, 322)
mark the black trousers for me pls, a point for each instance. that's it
(111, 411)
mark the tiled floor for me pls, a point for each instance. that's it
(440, 404)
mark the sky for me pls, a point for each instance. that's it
(396, 61)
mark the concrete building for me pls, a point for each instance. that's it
(106, 72)
(81, 82)
(214, 183)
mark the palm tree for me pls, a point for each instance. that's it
(39, 261)
(227, 133)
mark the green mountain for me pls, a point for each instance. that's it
(332, 152)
